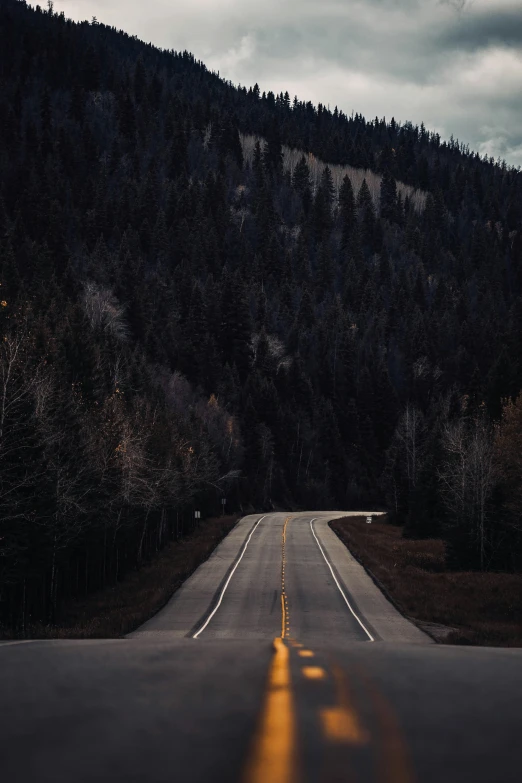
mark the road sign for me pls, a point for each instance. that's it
(197, 514)
(223, 501)
(368, 520)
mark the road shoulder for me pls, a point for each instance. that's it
(388, 624)
(194, 598)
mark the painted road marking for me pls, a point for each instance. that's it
(338, 585)
(283, 616)
(341, 724)
(273, 758)
(313, 672)
(285, 622)
(211, 615)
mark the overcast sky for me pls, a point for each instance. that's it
(454, 64)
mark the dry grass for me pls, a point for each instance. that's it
(118, 610)
(467, 607)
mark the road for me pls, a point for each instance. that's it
(278, 661)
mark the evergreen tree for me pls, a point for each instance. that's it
(273, 153)
(347, 212)
(236, 329)
(388, 196)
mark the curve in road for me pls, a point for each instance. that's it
(283, 565)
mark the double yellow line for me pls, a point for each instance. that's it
(274, 756)
(274, 753)
(285, 621)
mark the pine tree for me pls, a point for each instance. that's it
(347, 214)
(388, 196)
(367, 214)
(322, 208)
(273, 153)
(236, 329)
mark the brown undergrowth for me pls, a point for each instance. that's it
(118, 610)
(457, 607)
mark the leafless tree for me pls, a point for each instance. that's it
(410, 436)
(467, 476)
(104, 312)
(24, 392)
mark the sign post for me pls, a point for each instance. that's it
(223, 503)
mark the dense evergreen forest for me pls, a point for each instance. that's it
(207, 291)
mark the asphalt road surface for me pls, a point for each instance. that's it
(278, 661)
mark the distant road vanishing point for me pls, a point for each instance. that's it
(278, 661)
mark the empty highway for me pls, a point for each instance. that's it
(280, 661)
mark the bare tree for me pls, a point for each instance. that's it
(104, 312)
(467, 476)
(24, 390)
(410, 436)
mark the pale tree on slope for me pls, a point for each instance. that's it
(467, 477)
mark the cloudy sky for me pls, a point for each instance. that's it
(454, 64)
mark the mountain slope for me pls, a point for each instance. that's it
(181, 305)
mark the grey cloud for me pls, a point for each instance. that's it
(499, 28)
(460, 5)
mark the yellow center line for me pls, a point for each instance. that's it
(341, 724)
(285, 623)
(287, 520)
(313, 672)
(273, 757)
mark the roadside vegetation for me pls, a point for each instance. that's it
(115, 611)
(456, 607)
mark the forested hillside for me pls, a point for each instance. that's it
(207, 291)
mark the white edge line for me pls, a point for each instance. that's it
(211, 615)
(337, 583)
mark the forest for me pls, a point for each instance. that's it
(208, 291)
